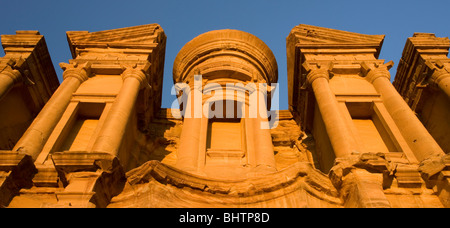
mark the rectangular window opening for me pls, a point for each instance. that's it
(82, 127)
(369, 128)
(225, 134)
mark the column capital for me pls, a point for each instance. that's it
(12, 73)
(137, 73)
(374, 71)
(79, 71)
(317, 70)
(439, 71)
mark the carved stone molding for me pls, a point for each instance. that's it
(16, 172)
(14, 74)
(234, 53)
(316, 71)
(264, 189)
(357, 170)
(374, 71)
(138, 73)
(100, 173)
(79, 71)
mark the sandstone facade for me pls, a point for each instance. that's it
(350, 138)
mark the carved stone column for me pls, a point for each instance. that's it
(441, 77)
(264, 154)
(419, 140)
(188, 152)
(37, 134)
(340, 136)
(8, 78)
(113, 130)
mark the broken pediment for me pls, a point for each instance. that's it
(322, 46)
(135, 37)
(308, 36)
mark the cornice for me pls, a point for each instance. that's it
(144, 37)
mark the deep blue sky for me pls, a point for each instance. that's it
(271, 21)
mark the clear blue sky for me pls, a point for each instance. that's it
(271, 21)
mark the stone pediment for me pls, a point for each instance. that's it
(308, 35)
(306, 39)
(136, 37)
